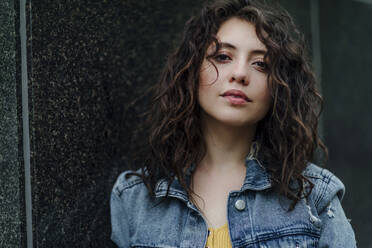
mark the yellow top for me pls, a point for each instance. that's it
(219, 237)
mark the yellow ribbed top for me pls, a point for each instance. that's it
(219, 237)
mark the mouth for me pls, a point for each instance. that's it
(236, 94)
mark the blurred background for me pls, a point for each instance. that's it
(69, 71)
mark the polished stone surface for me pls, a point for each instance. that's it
(89, 61)
(11, 172)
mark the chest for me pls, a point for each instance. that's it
(212, 196)
(212, 205)
(261, 221)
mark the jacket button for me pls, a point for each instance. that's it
(240, 205)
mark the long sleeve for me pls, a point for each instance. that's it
(119, 220)
(336, 229)
(326, 197)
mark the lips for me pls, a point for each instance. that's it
(236, 94)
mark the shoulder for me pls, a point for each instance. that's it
(129, 198)
(129, 180)
(326, 186)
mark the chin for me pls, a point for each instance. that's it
(230, 119)
(238, 122)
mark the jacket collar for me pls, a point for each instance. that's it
(257, 178)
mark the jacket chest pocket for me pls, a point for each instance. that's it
(152, 246)
(275, 226)
(291, 241)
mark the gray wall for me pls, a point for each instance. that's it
(346, 33)
(12, 228)
(88, 61)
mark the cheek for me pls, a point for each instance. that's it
(266, 95)
(208, 74)
(263, 86)
(207, 83)
(263, 93)
(203, 94)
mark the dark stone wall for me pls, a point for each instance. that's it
(89, 62)
(300, 11)
(346, 33)
(12, 221)
(345, 38)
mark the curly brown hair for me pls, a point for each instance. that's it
(287, 135)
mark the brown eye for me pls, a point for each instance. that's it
(222, 57)
(261, 64)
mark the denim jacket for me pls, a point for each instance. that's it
(257, 216)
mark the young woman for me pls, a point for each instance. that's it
(233, 130)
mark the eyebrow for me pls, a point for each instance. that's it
(231, 46)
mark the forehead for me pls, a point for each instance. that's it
(239, 33)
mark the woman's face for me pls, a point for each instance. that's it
(239, 95)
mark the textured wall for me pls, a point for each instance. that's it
(89, 61)
(11, 172)
(346, 33)
(300, 11)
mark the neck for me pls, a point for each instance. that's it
(227, 146)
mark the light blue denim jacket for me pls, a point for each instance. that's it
(257, 217)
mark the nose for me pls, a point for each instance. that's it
(239, 74)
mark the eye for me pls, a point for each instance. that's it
(261, 64)
(222, 57)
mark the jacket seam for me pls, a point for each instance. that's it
(323, 189)
(184, 223)
(121, 187)
(320, 175)
(152, 245)
(173, 193)
(263, 237)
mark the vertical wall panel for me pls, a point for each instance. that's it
(12, 225)
(346, 28)
(88, 61)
